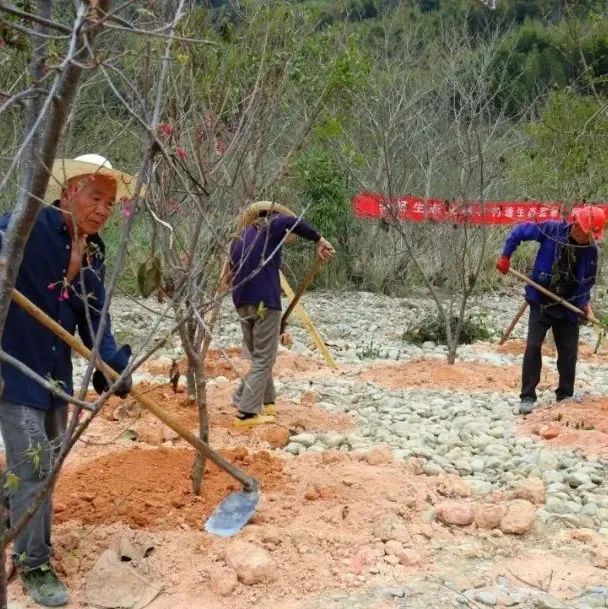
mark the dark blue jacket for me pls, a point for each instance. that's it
(255, 257)
(45, 262)
(552, 237)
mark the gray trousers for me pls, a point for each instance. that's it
(261, 337)
(32, 439)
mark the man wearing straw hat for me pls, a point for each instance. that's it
(62, 272)
(566, 264)
(255, 258)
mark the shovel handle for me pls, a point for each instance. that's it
(314, 269)
(554, 297)
(77, 345)
(509, 328)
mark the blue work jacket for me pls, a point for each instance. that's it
(552, 237)
(41, 280)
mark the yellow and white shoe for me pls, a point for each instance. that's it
(258, 419)
(269, 409)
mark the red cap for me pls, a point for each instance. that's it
(591, 219)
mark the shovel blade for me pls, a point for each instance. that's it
(233, 513)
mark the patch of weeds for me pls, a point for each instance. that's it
(369, 351)
(433, 328)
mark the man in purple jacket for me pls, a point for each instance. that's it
(255, 258)
(566, 264)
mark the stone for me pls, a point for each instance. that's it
(455, 512)
(548, 432)
(391, 526)
(277, 436)
(530, 489)
(519, 517)
(549, 602)
(113, 583)
(577, 479)
(223, 583)
(151, 435)
(409, 558)
(394, 547)
(432, 469)
(379, 455)
(253, 565)
(489, 515)
(305, 439)
(453, 486)
(485, 598)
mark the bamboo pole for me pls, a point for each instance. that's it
(77, 345)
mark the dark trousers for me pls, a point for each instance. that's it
(565, 333)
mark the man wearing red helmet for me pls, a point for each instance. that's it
(566, 264)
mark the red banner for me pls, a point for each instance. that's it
(417, 209)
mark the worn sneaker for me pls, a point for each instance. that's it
(43, 585)
(526, 406)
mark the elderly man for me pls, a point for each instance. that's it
(255, 258)
(63, 273)
(566, 264)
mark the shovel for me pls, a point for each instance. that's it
(235, 510)
(314, 269)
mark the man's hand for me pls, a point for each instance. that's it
(503, 264)
(124, 386)
(286, 339)
(325, 250)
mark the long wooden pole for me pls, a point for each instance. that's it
(555, 297)
(314, 269)
(249, 483)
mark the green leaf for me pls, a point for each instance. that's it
(149, 275)
(261, 312)
(11, 484)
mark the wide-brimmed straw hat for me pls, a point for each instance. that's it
(252, 212)
(87, 164)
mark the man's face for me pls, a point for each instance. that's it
(89, 200)
(579, 235)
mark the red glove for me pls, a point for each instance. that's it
(503, 264)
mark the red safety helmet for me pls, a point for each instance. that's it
(591, 219)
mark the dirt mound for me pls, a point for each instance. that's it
(581, 425)
(438, 374)
(230, 363)
(151, 488)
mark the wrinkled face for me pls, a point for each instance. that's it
(89, 200)
(579, 235)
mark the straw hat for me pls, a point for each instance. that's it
(86, 164)
(251, 213)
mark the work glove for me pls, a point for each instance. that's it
(118, 362)
(503, 264)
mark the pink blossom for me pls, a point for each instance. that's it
(181, 153)
(126, 207)
(165, 129)
(51, 286)
(65, 295)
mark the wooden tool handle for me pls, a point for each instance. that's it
(77, 345)
(314, 269)
(554, 297)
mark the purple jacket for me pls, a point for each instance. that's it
(255, 257)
